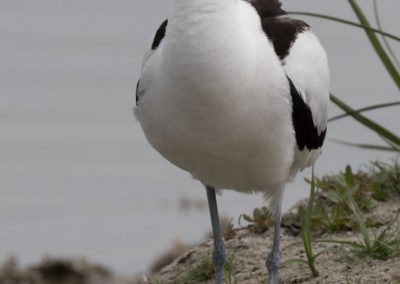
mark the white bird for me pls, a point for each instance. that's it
(236, 93)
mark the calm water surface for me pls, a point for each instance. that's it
(77, 177)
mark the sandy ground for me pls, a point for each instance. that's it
(250, 251)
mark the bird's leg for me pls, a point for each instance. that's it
(219, 251)
(274, 258)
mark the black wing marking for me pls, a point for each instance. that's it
(268, 8)
(307, 135)
(160, 34)
(281, 31)
(137, 92)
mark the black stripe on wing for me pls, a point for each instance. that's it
(160, 34)
(137, 92)
(158, 37)
(307, 135)
(268, 8)
(281, 31)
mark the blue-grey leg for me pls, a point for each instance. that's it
(274, 258)
(219, 250)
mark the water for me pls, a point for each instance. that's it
(77, 177)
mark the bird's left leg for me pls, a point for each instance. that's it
(274, 258)
(219, 250)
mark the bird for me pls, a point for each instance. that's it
(236, 93)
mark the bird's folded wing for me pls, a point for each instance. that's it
(157, 40)
(306, 65)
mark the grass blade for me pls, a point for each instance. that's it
(358, 215)
(394, 146)
(306, 227)
(321, 253)
(380, 130)
(293, 245)
(294, 261)
(366, 146)
(361, 110)
(385, 41)
(340, 242)
(376, 43)
(347, 22)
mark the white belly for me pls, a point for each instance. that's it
(243, 141)
(223, 111)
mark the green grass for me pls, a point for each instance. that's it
(345, 189)
(390, 138)
(386, 244)
(229, 270)
(383, 245)
(306, 229)
(384, 179)
(396, 279)
(305, 216)
(376, 44)
(341, 202)
(259, 221)
(204, 271)
(377, 182)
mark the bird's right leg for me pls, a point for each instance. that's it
(274, 258)
(219, 250)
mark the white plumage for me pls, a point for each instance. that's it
(217, 100)
(214, 96)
